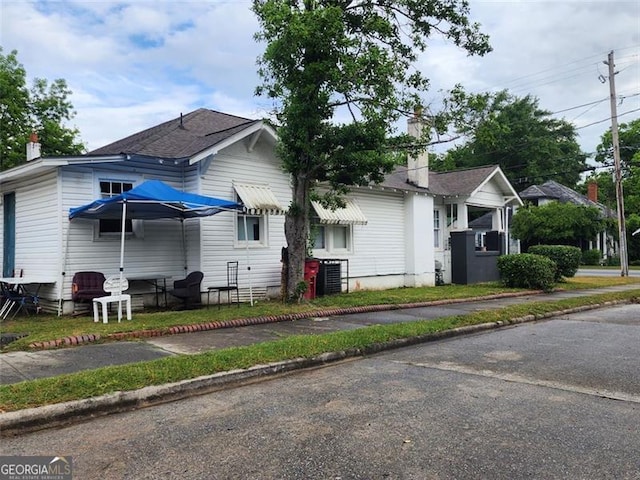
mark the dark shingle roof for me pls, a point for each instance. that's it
(554, 190)
(179, 138)
(458, 182)
(398, 180)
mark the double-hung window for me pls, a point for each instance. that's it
(251, 229)
(330, 238)
(437, 231)
(259, 202)
(112, 227)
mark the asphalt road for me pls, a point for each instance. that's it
(552, 399)
(604, 272)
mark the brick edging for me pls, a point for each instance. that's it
(244, 322)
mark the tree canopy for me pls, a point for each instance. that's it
(341, 73)
(43, 109)
(529, 145)
(629, 143)
(556, 223)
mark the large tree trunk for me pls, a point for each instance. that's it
(296, 227)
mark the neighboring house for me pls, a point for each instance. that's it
(390, 234)
(552, 191)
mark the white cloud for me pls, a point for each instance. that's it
(132, 65)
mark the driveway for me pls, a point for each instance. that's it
(553, 399)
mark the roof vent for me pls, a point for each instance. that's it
(33, 147)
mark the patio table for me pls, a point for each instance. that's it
(157, 280)
(20, 285)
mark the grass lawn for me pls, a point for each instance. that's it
(51, 327)
(130, 377)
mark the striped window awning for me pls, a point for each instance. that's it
(349, 215)
(258, 199)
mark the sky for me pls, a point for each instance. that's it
(132, 65)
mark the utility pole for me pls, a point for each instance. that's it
(622, 230)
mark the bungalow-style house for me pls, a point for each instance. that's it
(552, 191)
(389, 235)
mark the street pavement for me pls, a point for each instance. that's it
(19, 366)
(554, 399)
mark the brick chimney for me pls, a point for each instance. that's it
(417, 167)
(33, 147)
(592, 192)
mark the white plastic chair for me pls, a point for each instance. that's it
(113, 286)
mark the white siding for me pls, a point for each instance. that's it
(37, 228)
(378, 248)
(490, 195)
(219, 232)
(159, 251)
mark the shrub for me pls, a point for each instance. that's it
(613, 261)
(591, 257)
(527, 270)
(567, 258)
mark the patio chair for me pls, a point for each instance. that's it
(188, 289)
(115, 286)
(17, 300)
(232, 285)
(87, 285)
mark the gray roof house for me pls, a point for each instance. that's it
(390, 234)
(551, 191)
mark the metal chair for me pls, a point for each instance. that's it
(188, 289)
(232, 285)
(17, 300)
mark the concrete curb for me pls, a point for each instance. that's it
(244, 322)
(39, 418)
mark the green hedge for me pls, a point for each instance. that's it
(591, 257)
(567, 258)
(527, 270)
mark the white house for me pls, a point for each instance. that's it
(389, 234)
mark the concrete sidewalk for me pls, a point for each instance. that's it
(19, 366)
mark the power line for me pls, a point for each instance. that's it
(607, 119)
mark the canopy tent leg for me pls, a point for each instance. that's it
(122, 237)
(63, 271)
(246, 239)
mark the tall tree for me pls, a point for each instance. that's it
(529, 145)
(557, 223)
(43, 109)
(629, 143)
(342, 73)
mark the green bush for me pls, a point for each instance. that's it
(567, 258)
(527, 270)
(591, 257)
(613, 261)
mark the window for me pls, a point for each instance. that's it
(340, 237)
(436, 228)
(330, 238)
(319, 236)
(452, 215)
(255, 233)
(109, 227)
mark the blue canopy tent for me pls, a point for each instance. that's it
(151, 200)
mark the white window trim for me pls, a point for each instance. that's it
(264, 231)
(328, 239)
(136, 225)
(437, 232)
